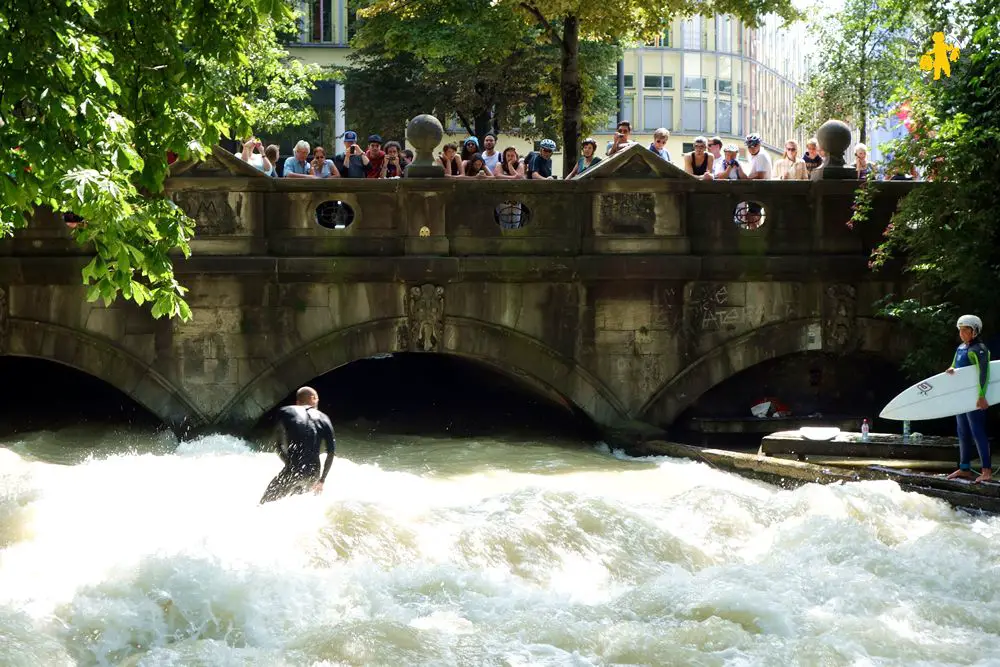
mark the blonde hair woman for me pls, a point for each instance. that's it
(790, 167)
(811, 157)
(861, 163)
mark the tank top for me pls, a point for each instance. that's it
(582, 166)
(699, 170)
(454, 167)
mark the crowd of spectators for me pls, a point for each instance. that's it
(709, 159)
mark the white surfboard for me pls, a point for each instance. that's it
(943, 395)
(819, 432)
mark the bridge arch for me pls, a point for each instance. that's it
(503, 348)
(738, 354)
(106, 361)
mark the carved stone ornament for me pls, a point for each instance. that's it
(4, 319)
(840, 312)
(426, 314)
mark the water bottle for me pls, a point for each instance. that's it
(906, 431)
(864, 431)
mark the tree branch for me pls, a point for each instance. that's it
(552, 32)
(465, 123)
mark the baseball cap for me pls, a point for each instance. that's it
(350, 136)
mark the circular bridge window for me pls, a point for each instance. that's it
(512, 214)
(334, 215)
(749, 215)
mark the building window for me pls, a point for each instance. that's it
(696, 83)
(656, 82)
(723, 117)
(724, 86)
(629, 81)
(319, 22)
(657, 112)
(723, 34)
(613, 118)
(691, 34)
(693, 115)
(661, 41)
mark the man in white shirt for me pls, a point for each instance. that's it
(490, 155)
(760, 162)
(715, 148)
(622, 140)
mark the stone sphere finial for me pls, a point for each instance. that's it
(424, 132)
(834, 138)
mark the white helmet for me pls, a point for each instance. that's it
(972, 322)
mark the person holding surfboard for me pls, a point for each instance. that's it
(972, 425)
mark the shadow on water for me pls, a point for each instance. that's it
(57, 414)
(443, 396)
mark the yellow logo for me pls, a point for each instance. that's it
(938, 57)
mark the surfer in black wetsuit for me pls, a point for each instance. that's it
(302, 430)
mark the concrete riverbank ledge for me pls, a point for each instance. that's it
(792, 473)
(879, 446)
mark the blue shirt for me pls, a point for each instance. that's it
(293, 166)
(327, 169)
(541, 165)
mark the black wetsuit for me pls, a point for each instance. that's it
(301, 432)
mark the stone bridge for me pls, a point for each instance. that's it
(628, 294)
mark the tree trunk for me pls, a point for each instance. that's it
(572, 93)
(484, 124)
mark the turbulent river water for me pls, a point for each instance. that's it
(129, 549)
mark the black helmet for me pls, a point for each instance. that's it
(752, 140)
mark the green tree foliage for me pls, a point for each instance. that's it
(566, 24)
(95, 93)
(945, 232)
(864, 54)
(473, 59)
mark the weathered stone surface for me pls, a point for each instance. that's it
(630, 298)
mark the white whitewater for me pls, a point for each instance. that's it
(457, 552)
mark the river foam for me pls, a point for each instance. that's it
(449, 552)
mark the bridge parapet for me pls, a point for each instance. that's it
(631, 211)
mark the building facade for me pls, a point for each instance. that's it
(703, 76)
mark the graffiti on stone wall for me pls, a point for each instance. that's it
(425, 307)
(709, 309)
(212, 213)
(668, 313)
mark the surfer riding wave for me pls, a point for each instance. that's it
(302, 430)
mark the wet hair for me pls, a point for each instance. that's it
(304, 395)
